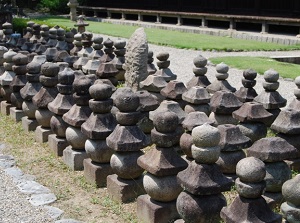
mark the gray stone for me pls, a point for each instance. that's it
(290, 212)
(206, 155)
(228, 161)
(276, 174)
(195, 119)
(251, 170)
(223, 102)
(55, 213)
(165, 122)
(291, 191)
(69, 220)
(173, 90)
(287, 122)
(153, 83)
(250, 189)
(136, 59)
(254, 131)
(7, 161)
(196, 95)
(206, 136)
(272, 149)
(42, 199)
(32, 187)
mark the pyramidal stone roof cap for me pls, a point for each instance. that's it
(273, 149)
(287, 122)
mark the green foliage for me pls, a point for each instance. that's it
(54, 6)
(260, 64)
(19, 24)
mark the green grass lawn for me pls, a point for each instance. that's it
(174, 38)
(260, 64)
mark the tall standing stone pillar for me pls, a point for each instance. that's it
(20, 61)
(202, 181)
(74, 154)
(126, 140)
(5, 80)
(41, 100)
(162, 164)
(73, 5)
(31, 88)
(59, 106)
(97, 128)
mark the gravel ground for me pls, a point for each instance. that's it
(14, 206)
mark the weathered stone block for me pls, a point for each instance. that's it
(57, 145)
(74, 158)
(5, 108)
(29, 124)
(16, 114)
(41, 134)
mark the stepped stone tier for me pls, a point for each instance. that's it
(291, 193)
(81, 24)
(120, 51)
(69, 38)
(52, 37)
(44, 34)
(36, 29)
(221, 84)
(154, 84)
(31, 88)
(29, 30)
(202, 181)
(151, 69)
(135, 65)
(192, 120)
(222, 104)
(107, 68)
(249, 205)
(247, 92)
(270, 98)
(273, 151)
(74, 154)
(232, 144)
(83, 54)
(252, 117)
(93, 63)
(162, 164)
(77, 44)
(148, 103)
(197, 99)
(173, 91)
(172, 106)
(126, 140)
(199, 70)
(163, 67)
(46, 94)
(19, 80)
(97, 128)
(59, 106)
(5, 80)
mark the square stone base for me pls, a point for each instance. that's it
(293, 164)
(41, 134)
(124, 190)
(57, 145)
(16, 114)
(150, 211)
(5, 108)
(29, 124)
(74, 158)
(96, 173)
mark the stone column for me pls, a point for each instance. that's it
(31, 88)
(5, 80)
(46, 94)
(273, 151)
(97, 128)
(249, 205)
(20, 61)
(73, 11)
(270, 98)
(163, 67)
(151, 69)
(247, 92)
(221, 83)
(203, 182)
(162, 164)
(44, 34)
(120, 51)
(126, 140)
(52, 37)
(61, 43)
(74, 154)
(85, 52)
(199, 70)
(77, 44)
(59, 106)
(153, 84)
